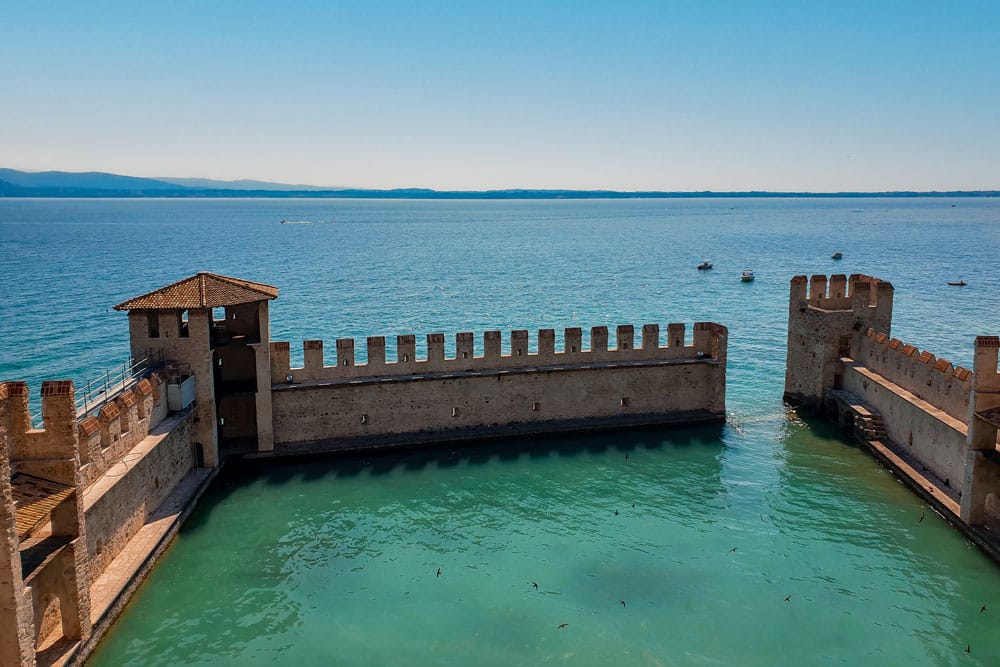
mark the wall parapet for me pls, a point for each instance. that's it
(95, 442)
(708, 342)
(935, 380)
(839, 292)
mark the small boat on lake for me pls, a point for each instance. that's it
(837, 255)
(747, 276)
(705, 266)
(960, 283)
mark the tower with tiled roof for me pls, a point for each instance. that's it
(216, 330)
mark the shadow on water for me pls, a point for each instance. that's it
(239, 473)
(852, 499)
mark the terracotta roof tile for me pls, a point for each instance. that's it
(108, 413)
(89, 426)
(17, 388)
(57, 388)
(204, 290)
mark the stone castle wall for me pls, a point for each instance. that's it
(930, 379)
(929, 435)
(116, 467)
(934, 422)
(467, 395)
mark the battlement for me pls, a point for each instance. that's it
(840, 292)
(708, 343)
(66, 443)
(823, 317)
(985, 364)
(935, 380)
(49, 452)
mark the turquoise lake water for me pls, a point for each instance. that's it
(335, 561)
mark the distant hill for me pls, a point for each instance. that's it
(15, 183)
(242, 184)
(95, 180)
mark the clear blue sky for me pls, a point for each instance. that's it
(820, 96)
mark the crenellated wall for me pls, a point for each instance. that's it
(934, 380)
(934, 422)
(44, 466)
(104, 474)
(468, 395)
(626, 348)
(122, 500)
(17, 642)
(119, 426)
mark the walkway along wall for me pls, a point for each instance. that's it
(933, 423)
(409, 400)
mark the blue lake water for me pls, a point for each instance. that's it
(334, 561)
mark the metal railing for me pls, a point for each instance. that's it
(99, 391)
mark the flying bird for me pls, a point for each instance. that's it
(622, 603)
(788, 599)
(534, 585)
(982, 609)
(733, 550)
(968, 648)
(922, 512)
(562, 626)
(616, 512)
(439, 572)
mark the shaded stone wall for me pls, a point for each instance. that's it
(118, 505)
(932, 437)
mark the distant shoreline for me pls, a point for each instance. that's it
(96, 184)
(191, 193)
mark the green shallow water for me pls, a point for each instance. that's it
(335, 561)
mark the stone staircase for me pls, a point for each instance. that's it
(870, 425)
(853, 412)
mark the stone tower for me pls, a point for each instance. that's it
(824, 317)
(214, 329)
